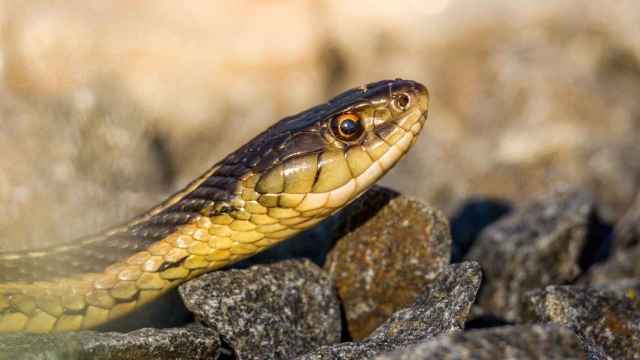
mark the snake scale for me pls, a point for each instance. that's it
(287, 179)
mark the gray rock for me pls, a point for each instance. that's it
(628, 229)
(607, 322)
(442, 309)
(536, 246)
(393, 247)
(349, 351)
(192, 342)
(509, 342)
(623, 264)
(274, 311)
(629, 287)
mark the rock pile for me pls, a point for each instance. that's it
(547, 280)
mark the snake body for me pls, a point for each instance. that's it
(287, 179)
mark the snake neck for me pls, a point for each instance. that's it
(204, 235)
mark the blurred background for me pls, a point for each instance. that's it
(108, 106)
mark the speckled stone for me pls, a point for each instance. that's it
(393, 248)
(625, 287)
(273, 311)
(441, 309)
(191, 342)
(509, 342)
(535, 246)
(608, 322)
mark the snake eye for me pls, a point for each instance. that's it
(347, 127)
(401, 102)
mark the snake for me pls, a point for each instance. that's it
(296, 173)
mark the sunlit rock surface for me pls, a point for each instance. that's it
(441, 309)
(283, 310)
(606, 321)
(393, 248)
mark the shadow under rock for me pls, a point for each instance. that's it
(166, 312)
(471, 219)
(485, 321)
(600, 239)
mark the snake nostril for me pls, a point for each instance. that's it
(403, 100)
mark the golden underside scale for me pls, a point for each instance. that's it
(287, 179)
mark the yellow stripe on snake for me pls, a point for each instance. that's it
(287, 179)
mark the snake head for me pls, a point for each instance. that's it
(317, 161)
(290, 177)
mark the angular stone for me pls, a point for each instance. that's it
(274, 311)
(191, 342)
(607, 322)
(538, 245)
(393, 247)
(509, 342)
(441, 309)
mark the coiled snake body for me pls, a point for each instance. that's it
(287, 179)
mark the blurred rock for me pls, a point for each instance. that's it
(535, 246)
(393, 248)
(276, 311)
(519, 93)
(628, 228)
(191, 342)
(629, 287)
(509, 342)
(68, 174)
(623, 264)
(508, 119)
(62, 52)
(607, 322)
(441, 309)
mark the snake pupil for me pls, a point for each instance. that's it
(347, 127)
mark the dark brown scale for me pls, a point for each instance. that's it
(384, 130)
(189, 205)
(220, 182)
(213, 193)
(304, 143)
(173, 218)
(233, 171)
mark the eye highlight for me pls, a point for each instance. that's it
(347, 127)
